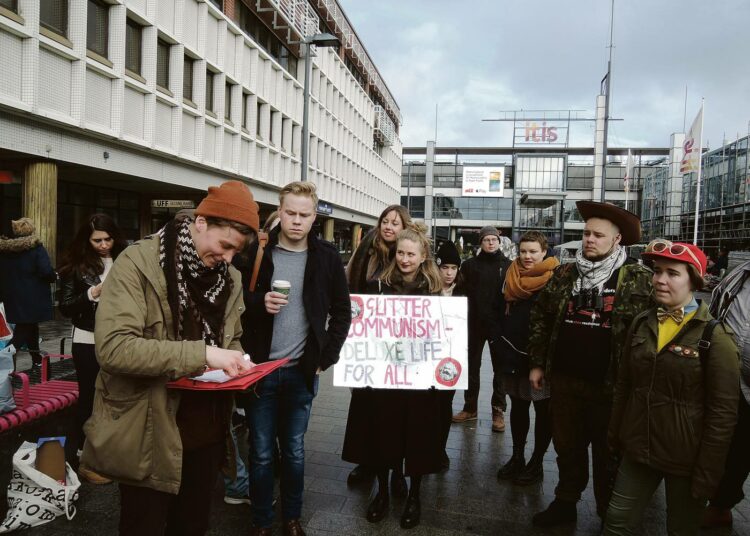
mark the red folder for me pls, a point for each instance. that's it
(238, 383)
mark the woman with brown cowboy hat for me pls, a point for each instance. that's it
(675, 402)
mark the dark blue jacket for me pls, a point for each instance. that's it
(25, 277)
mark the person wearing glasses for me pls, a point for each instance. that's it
(482, 276)
(576, 334)
(675, 402)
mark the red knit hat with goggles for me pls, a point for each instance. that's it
(677, 251)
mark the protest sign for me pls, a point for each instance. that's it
(405, 342)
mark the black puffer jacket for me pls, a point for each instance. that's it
(482, 277)
(74, 299)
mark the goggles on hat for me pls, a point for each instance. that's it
(661, 245)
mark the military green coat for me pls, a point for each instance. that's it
(634, 295)
(671, 412)
(132, 435)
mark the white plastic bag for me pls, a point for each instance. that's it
(33, 497)
(7, 403)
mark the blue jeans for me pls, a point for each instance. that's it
(239, 486)
(280, 406)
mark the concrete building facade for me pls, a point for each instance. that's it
(135, 107)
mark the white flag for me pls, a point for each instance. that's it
(628, 171)
(691, 148)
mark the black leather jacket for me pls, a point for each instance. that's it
(74, 300)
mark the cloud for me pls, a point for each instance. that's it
(478, 57)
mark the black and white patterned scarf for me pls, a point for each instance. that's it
(192, 287)
(593, 274)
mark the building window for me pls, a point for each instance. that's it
(228, 101)
(133, 40)
(11, 5)
(269, 41)
(187, 78)
(53, 15)
(270, 128)
(245, 104)
(97, 27)
(162, 63)
(257, 120)
(218, 3)
(209, 91)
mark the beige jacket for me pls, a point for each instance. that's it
(132, 435)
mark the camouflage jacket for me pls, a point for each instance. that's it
(634, 294)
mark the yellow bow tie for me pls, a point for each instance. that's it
(678, 315)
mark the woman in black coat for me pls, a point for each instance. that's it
(524, 279)
(85, 265)
(25, 277)
(400, 426)
(368, 261)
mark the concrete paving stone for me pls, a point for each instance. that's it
(466, 499)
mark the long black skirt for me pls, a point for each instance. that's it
(387, 427)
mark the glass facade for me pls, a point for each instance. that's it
(724, 206)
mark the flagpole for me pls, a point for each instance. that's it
(698, 180)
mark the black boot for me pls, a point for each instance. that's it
(514, 466)
(558, 512)
(399, 488)
(412, 512)
(378, 507)
(532, 473)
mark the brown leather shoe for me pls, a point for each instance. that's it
(261, 531)
(293, 528)
(92, 477)
(498, 420)
(464, 416)
(714, 517)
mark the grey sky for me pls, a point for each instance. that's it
(476, 57)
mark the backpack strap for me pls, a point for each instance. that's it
(262, 241)
(704, 345)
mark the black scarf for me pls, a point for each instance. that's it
(193, 287)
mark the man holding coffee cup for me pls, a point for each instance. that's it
(299, 309)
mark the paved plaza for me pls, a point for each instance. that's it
(466, 499)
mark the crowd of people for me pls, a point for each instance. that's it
(614, 354)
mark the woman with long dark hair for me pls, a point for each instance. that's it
(368, 261)
(83, 268)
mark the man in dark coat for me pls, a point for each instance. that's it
(482, 275)
(308, 325)
(25, 277)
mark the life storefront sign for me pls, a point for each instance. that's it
(405, 342)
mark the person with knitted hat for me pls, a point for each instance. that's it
(170, 307)
(675, 401)
(482, 276)
(576, 334)
(449, 262)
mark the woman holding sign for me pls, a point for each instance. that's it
(369, 260)
(526, 276)
(400, 425)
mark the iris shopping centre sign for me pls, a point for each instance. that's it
(541, 133)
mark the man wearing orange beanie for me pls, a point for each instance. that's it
(170, 307)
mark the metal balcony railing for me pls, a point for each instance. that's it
(385, 130)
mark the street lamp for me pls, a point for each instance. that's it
(319, 40)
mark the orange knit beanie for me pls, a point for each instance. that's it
(231, 200)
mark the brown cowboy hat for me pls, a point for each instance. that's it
(628, 223)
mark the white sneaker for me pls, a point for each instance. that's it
(237, 500)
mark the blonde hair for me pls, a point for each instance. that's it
(304, 189)
(23, 226)
(428, 270)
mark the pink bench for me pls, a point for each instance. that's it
(36, 401)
